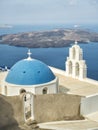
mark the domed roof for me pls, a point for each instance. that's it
(29, 72)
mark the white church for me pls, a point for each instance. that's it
(29, 75)
(33, 76)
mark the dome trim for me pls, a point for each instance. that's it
(36, 85)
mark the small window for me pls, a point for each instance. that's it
(24, 72)
(38, 72)
(22, 91)
(45, 91)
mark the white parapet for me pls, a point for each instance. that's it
(89, 104)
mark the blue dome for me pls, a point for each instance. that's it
(29, 72)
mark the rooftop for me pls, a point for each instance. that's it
(70, 125)
(75, 86)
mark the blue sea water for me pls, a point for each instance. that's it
(56, 57)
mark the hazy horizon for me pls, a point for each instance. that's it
(48, 12)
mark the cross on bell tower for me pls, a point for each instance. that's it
(29, 54)
(75, 65)
(76, 43)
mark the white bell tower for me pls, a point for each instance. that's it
(75, 65)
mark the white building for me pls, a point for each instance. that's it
(34, 77)
(29, 75)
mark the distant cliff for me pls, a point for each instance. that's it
(54, 38)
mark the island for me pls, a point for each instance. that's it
(52, 38)
(5, 26)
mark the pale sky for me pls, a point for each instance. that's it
(48, 11)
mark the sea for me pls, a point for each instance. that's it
(55, 57)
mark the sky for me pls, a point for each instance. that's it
(48, 11)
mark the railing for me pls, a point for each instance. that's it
(3, 69)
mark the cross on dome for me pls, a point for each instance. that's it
(29, 54)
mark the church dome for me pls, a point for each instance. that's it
(29, 72)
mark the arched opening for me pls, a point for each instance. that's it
(22, 91)
(74, 53)
(77, 69)
(6, 90)
(44, 90)
(70, 67)
(28, 106)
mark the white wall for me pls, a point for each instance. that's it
(50, 89)
(89, 104)
(12, 90)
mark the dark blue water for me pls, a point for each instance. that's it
(56, 57)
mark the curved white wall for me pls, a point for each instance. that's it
(12, 89)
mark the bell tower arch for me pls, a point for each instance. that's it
(75, 65)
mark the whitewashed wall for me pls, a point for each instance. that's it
(89, 105)
(12, 90)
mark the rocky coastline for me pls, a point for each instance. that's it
(46, 39)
